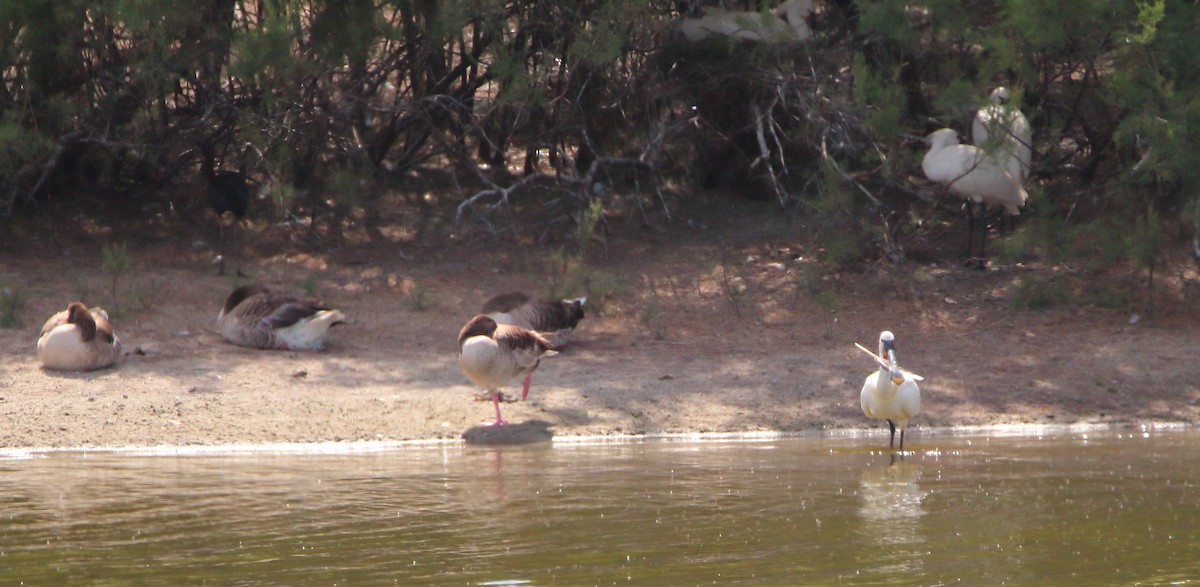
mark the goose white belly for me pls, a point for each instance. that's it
(62, 349)
(309, 333)
(484, 364)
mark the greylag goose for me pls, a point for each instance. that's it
(78, 339)
(492, 355)
(255, 317)
(556, 321)
(969, 173)
(891, 393)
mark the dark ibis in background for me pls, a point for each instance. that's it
(228, 192)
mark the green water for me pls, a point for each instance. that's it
(1110, 508)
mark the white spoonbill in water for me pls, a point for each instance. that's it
(890, 393)
(969, 173)
(492, 355)
(1002, 131)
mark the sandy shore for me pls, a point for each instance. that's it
(669, 351)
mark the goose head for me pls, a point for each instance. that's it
(480, 325)
(574, 308)
(88, 324)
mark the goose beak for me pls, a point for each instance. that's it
(897, 379)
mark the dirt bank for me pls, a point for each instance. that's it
(696, 329)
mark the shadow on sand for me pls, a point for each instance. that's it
(523, 433)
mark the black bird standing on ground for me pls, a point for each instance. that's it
(228, 191)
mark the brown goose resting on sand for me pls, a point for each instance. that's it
(255, 317)
(556, 321)
(78, 339)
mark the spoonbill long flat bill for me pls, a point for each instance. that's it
(891, 393)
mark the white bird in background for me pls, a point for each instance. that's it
(788, 23)
(1002, 131)
(891, 393)
(492, 355)
(969, 173)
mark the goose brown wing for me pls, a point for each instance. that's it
(241, 294)
(526, 346)
(84, 321)
(506, 302)
(550, 316)
(58, 319)
(103, 328)
(275, 311)
(257, 307)
(292, 312)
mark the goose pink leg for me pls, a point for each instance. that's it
(525, 390)
(499, 421)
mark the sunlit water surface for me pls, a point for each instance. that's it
(1067, 508)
